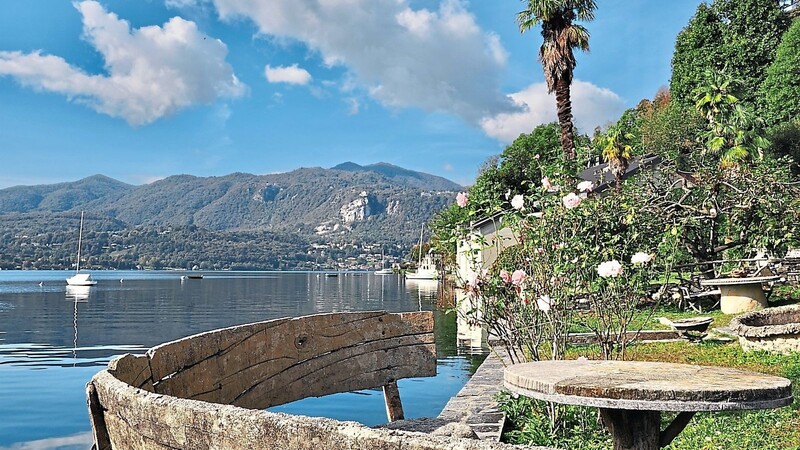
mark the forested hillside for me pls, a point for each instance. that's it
(234, 221)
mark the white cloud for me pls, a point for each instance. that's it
(591, 106)
(287, 74)
(434, 60)
(152, 71)
(183, 3)
(354, 106)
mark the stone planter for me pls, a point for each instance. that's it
(773, 329)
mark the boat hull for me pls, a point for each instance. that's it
(81, 279)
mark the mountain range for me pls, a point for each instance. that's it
(378, 203)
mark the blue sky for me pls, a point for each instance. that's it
(140, 90)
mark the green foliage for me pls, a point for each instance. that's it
(785, 141)
(447, 228)
(616, 147)
(781, 88)
(669, 129)
(560, 34)
(733, 133)
(578, 427)
(722, 213)
(516, 171)
(740, 36)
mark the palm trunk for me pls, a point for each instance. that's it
(564, 108)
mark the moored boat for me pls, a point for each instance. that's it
(80, 279)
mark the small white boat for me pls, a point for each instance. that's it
(426, 267)
(80, 279)
(195, 276)
(384, 270)
(426, 270)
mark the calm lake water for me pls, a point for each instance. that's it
(53, 340)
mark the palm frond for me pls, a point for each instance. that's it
(584, 9)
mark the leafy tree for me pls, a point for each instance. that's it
(696, 48)
(785, 141)
(740, 36)
(616, 149)
(561, 35)
(781, 88)
(733, 133)
(669, 129)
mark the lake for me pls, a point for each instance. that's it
(53, 340)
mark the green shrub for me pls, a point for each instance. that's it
(785, 141)
(781, 88)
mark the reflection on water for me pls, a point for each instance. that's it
(78, 293)
(54, 337)
(80, 441)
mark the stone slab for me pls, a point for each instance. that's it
(648, 385)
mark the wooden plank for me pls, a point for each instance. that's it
(394, 407)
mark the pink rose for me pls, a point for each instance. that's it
(505, 276)
(609, 269)
(461, 199)
(571, 200)
(473, 281)
(518, 277)
(518, 202)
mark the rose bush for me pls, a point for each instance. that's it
(583, 262)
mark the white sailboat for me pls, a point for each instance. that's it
(80, 279)
(426, 267)
(384, 270)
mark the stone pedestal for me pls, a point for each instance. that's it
(738, 295)
(739, 298)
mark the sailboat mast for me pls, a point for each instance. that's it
(420, 245)
(80, 237)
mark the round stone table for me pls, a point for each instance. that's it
(632, 394)
(737, 295)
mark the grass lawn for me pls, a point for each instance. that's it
(763, 430)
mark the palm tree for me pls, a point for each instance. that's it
(560, 35)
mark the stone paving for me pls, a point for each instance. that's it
(475, 404)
